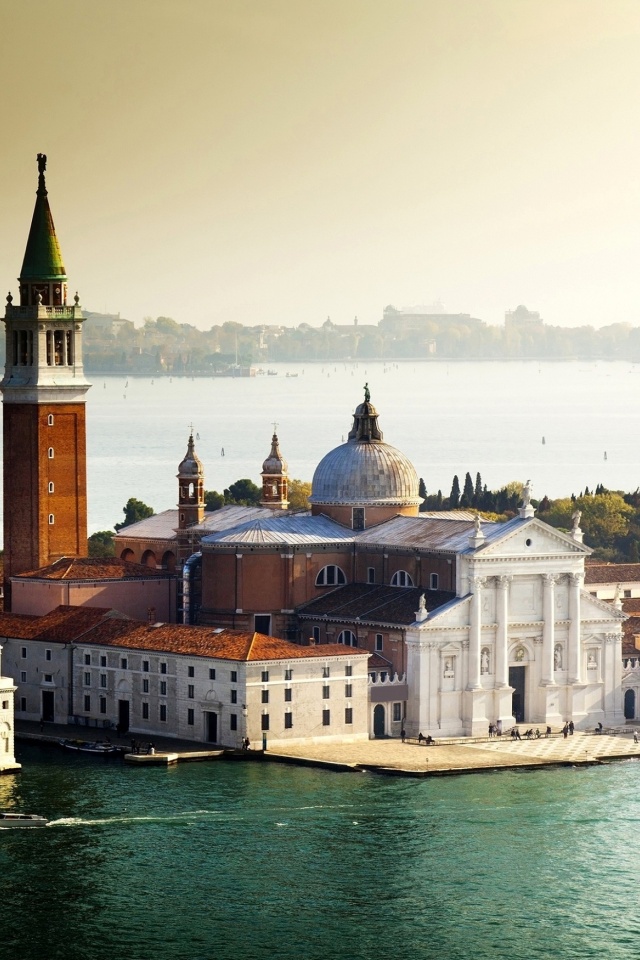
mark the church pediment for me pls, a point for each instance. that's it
(591, 608)
(530, 538)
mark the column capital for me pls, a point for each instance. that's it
(477, 582)
(612, 637)
(575, 578)
(504, 580)
(551, 578)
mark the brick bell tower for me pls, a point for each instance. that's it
(43, 397)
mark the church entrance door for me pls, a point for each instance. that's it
(378, 720)
(630, 705)
(123, 717)
(516, 680)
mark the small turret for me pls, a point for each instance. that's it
(190, 487)
(275, 479)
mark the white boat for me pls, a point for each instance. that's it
(13, 820)
(101, 747)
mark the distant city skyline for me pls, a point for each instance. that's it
(283, 162)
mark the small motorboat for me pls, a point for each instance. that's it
(12, 820)
(103, 748)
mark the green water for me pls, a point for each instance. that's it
(232, 861)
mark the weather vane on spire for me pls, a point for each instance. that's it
(367, 393)
(42, 162)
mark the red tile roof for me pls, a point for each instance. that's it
(95, 625)
(612, 573)
(94, 568)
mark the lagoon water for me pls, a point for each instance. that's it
(448, 417)
(238, 861)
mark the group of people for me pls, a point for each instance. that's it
(138, 747)
(428, 740)
(567, 730)
(529, 734)
(246, 744)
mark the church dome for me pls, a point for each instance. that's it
(191, 466)
(275, 464)
(365, 470)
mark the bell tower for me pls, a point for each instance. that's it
(190, 488)
(275, 479)
(43, 399)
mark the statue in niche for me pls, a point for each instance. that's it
(557, 657)
(448, 668)
(520, 654)
(592, 663)
(484, 661)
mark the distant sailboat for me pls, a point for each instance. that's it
(222, 452)
(605, 454)
(543, 440)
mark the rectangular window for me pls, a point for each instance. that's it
(23, 704)
(358, 518)
(265, 696)
(103, 704)
(348, 690)
(47, 654)
(103, 661)
(288, 693)
(23, 676)
(234, 696)
(87, 659)
(145, 711)
(191, 717)
(145, 666)
(23, 653)
(87, 679)
(5, 704)
(103, 680)
(163, 688)
(87, 702)
(264, 721)
(325, 692)
(348, 671)
(163, 712)
(288, 721)
(262, 623)
(234, 676)
(348, 715)
(233, 721)
(397, 712)
(265, 676)
(288, 674)
(191, 691)
(48, 678)
(212, 673)
(124, 663)
(379, 642)
(163, 668)
(626, 594)
(316, 634)
(326, 718)
(326, 672)
(145, 686)
(191, 671)
(371, 574)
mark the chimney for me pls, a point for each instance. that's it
(151, 615)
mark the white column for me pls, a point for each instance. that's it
(575, 632)
(549, 581)
(502, 632)
(475, 631)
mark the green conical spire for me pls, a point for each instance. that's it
(42, 258)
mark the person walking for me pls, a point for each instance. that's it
(571, 727)
(403, 734)
(565, 731)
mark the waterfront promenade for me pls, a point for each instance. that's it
(391, 756)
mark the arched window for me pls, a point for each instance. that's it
(331, 576)
(401, 579)
(433, 581)
(50, 420)
(51, 519)
(50, 453)
(50, 486)
(348, 638)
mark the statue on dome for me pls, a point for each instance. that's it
(575, 516)
(527, 491)
(367, 393)
(42, 162)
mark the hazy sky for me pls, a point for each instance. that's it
(278, 161)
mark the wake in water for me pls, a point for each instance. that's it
(130, 818)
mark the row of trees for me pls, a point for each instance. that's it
(165, 346)
(610, 520)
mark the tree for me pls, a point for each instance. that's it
(422, 490)
(603, 519)
(213, 500)
(299, 493)
(477, 493)
(243, 492)
(454, 496)
(134, 510)
(466, 499)
(101, 544)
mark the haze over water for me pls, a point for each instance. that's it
(447, 417)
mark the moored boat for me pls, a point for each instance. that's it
(12, 820)
(103, 748)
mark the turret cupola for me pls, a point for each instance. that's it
(43, 278)
(275, 479)
(190, 487)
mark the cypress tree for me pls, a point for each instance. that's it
(454, 496)
(466, 499)
(477, 493)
